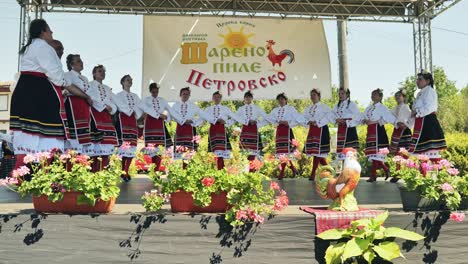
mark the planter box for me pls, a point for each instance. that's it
(68, 205)
(413, 201)
(182, 201)
(463, 204)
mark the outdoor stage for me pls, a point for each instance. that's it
(127, 234)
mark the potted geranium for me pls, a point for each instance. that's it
(200, 187)
(428, 186)
(64, 183)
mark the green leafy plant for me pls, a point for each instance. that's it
(438, 181)
(251, 194)
(53, 174)
(365, 239)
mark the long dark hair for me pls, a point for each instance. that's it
(69, 60)
(36, 28)
(380, 92)
(348, 95)
(427, 76)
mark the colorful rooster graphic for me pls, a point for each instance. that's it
(278, 58)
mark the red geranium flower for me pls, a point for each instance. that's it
(208, 181)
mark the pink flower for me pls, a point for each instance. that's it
(180, 149)
(232, 170)
(281, 202)
(208, 181)
(150, 147)
(82, 159)
(169, 152)
(426, 167)
(297, 154)
(403, 151)
(196, 139)
(457, 217)
(453, 171)
(251, 213)
(43, 156)
(8, 181)
(64, 157)
(446, 187)
(20, 172)
(384, 151)
(29, 159)
(241, 215)
(423, 157)
(445, 163)
(255, 165)
(284, 158)
(397, 159)
(259, 219)
(295, 143)
(274, 185)
(189, 154)
(411, 164)
(125, 145)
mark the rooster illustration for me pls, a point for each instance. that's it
(340, 189)
(278, 58)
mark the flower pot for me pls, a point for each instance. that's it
(69, 205)
(413, 201)
(182, 201)
(463, 204)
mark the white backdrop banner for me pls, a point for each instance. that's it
(235, 55)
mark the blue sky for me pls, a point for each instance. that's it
(380, 55)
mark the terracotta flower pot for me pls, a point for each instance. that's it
(69, 205)
(182, 201)
(413, 201)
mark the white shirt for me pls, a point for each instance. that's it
(345, 111)
(285, 113)
(41, 57)
(320, 113)
(78, 80)
(102, 96)
(188, 111)
(157, 106)
(378, 113)
(128, 103)
(402, 112)
(215, 112)
(249, 112)
(425, 102)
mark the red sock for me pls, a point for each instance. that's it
(291, 165)
(435, 160)
(104, 162)
(283, 167)
(157, 161)
(251, 158)
(95, 164)
(314, 167)
(126, 165)
(375, 167)
(220, 163)
(323, 161)
(184, 165)
(382, 164)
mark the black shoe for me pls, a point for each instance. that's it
(311, 179)
(394, 180)
(387, 175)
(125, 178)
(372, 179)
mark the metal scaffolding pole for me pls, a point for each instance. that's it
(422, 40)
(343, 53)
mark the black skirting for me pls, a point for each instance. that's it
(428, 135)
(35, 108)
(352, 140)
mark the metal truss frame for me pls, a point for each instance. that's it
(418, 12)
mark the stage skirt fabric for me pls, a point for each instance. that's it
(103, 133)
(376, 139)
(428, 135)
(283, 141)
(218, 141)
(127, 131)
(347, 138)
(250, 140)
(155, 132)
(184, 136)
(401, 138)
(318, 141)
(37, 116)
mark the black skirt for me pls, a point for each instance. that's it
(428, 135)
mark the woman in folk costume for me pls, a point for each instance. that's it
(191, 117)
(7, 156)
(103, 133)
(376, 116)
(401, 136)
(128, 106)
(347, 116)
(155, 132)
(252, 119)
(285, 117)
(78, 110)
(317, 116)
(219, 116)
(428, 136)
(37, 116)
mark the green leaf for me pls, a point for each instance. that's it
(334, 252)
(380, 219)
(355, 247)
(369, 256)
(388, 250)
(401, 233)
(332, 234)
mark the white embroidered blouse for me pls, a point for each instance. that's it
(128, 103)
(249, 112)
(157, 106)
(102, 96)
(285, 113)
(378, 113)
(320, 113)
(348, 110)
(188, 111)
(425, 102)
